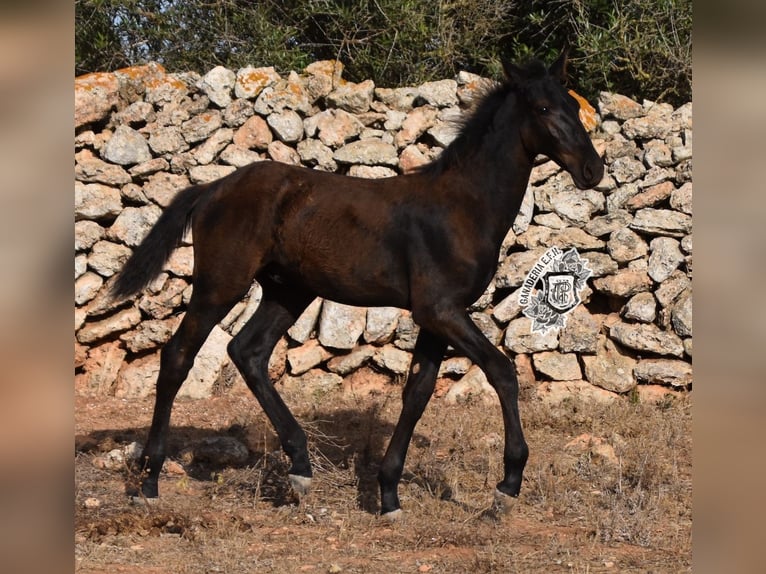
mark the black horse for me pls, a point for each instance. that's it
(427, 241)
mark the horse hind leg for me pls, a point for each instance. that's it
(176, 360)
(211, 300)
(250, 351)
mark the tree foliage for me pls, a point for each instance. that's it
(640, 48)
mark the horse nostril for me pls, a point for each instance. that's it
(587, 172)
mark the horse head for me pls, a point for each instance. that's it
(550, 121)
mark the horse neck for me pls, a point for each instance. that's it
(499, 172)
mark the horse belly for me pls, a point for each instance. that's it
(369, 280)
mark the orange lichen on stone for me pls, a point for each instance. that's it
(97, 80)
(330, 68)
(588, 115)
(94, 97)
(151, 70)
(166, 81)
(252, 81)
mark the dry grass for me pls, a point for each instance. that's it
(580, 511)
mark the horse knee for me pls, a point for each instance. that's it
(236, 352)
(243, 356)
(502, 377)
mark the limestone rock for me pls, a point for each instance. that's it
(138, 378)
(201, 126)
(610, 368)
(580, 333)
(519, 337)
(367, 152)
(472, 385)
(661, 222)
(283, 153)
(392, 359)
(218, 84)
(641, 307)
(96, 202)
(414, 125)
(287, 125)
(133, 224)
(348, 363)
(665, 258)
(315, 154)
(381, 324)
(340, 326)
(253, 134)
(94, 97)
(647, 337)
(150, 334)
(651, 196)
(625, 245)
(515, 267)
(309, 355)
(112, 325)
(557, 366)
(101, 369)
(440, 94)
(681, 198)
(664, 372)
(681, 315)
(86, 287)
(333, 127)
(351, 97)
(250, 81)
(209, 150)
(86, 234)
(107, 258)
(126, 147)
(624, 283)
(207, 367)
(671, 288)
(289, 93)
(161, 188)
(618, 106)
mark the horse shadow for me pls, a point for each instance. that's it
(345, 442)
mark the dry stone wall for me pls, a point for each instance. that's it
(143, 134)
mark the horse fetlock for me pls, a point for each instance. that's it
(503, 503)
(301, 485)
(143, 500)
(392, 516)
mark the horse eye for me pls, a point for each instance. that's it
(543, 110)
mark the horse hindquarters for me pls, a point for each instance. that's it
(223, 273)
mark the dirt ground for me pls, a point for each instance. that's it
(607, 489)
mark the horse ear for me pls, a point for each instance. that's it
(513, 73)
(559, 68)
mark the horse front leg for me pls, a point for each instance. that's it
(457, 328)
(421, 380)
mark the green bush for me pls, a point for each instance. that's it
(640, 48)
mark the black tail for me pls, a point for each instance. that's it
(150, 256)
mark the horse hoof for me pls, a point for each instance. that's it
(504, 503)
(393, 516)
(143, 500)
(300, 484)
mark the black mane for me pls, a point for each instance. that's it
(474, 126)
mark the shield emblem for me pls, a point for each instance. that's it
(560, 292)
